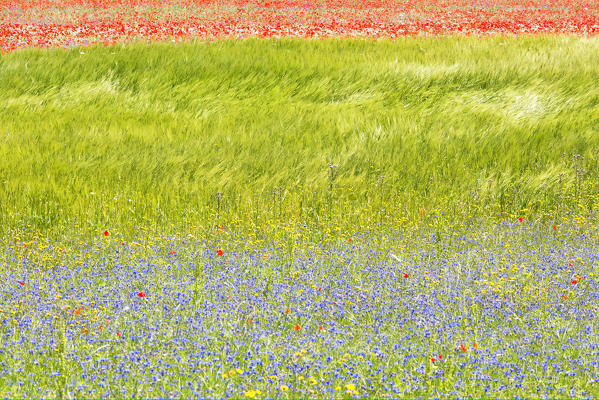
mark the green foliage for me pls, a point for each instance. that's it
(161, 134)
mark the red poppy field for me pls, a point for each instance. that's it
(53, 23)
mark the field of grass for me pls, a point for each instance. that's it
(151, 134)
(301, 219)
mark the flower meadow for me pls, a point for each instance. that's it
(67, 23)
(491, 309)
(286, 218)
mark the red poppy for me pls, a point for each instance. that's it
(21, 283)
(287, 311)
(339, 20)
(406, 275)
(554, 227)
(440, 357)
(172, 253)
(78, 311)
(297, 327)
(474, 345)
(320, 327)
(106, 233)
(463, 347)
(219, 252)
(350, 240)
(574, 281)
(119, 334)
(520, 219)
(141, 294)
(433, 359)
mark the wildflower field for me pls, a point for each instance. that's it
(287, 199)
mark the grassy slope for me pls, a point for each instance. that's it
(155, 131)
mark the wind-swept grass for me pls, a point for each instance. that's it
(286, 219)
(175, 134)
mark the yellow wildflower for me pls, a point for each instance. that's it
(253, 393)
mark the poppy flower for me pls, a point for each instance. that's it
(574, 281)
(219, 252)
(463, 347)
(106, 233)
(21, 283)
(433, 359)
(141, 294)
(554, 227)
(406, 275)
(520, 219)
(440, 357)
(119, 334)
(297, 327)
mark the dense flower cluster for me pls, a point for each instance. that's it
(489, 311)
(52, 23)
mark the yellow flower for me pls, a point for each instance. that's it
(253, 393)
(284, 388)
(350, 386)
